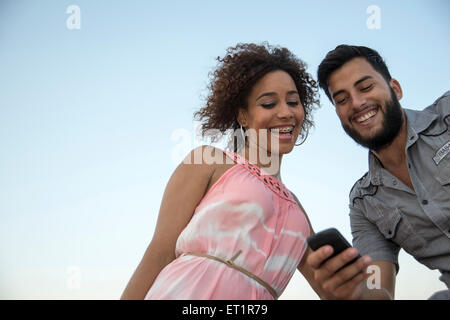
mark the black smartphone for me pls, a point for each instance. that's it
(333, 238)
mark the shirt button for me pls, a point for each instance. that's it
(394, 182)
(424, 201)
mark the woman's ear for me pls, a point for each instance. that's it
(395, 85)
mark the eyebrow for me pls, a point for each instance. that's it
(361, 80)
(274, 94)
(355, 84)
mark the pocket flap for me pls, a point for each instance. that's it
(388, 225)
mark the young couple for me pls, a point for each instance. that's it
(231, 229)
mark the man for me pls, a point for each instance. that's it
(403, 201)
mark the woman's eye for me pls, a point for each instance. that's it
(268, 105)
(293, 103)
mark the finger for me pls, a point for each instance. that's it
(336, 263)
(352, 289)
(348, 273)
(316, 258)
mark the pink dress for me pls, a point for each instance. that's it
(244, 210)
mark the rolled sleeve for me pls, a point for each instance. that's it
(368, 240)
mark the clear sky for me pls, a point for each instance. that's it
(89, 118)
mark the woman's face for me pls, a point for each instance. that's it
(274, 112)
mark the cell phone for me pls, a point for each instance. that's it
(333, 238)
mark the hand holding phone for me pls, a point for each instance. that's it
(338, 279)
(333, 238)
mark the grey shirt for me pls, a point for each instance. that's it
(387, 215)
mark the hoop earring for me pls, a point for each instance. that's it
(242, 133)
(304, 139)
(242, 142)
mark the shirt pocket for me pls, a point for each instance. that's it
(443, 172)
(394, 225)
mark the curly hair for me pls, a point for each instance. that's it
(237, 72)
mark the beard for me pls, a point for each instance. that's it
(392, 123)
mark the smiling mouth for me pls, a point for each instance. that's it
(366, 116)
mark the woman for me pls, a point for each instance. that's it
(226, 228)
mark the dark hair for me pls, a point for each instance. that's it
(236, 74)
(344, 53)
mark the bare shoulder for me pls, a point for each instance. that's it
(218, 161)
(199, 161)
(204, 162)
(184, 191)
(205, 156)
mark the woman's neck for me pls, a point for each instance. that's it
(271, 163)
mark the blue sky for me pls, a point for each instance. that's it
(87, 118)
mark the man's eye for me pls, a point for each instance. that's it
(341, 101)
(366, 88)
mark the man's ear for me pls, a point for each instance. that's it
(395, 85)
(242, 117)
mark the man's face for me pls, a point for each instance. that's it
(366, 104)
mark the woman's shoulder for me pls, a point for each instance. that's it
(204, 160)
(206, 155)
(205, 164)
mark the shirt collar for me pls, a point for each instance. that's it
(416, 122)
(374, 175)
(420, 119)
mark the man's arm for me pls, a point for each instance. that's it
(381, 282)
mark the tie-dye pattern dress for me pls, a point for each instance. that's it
(248, 211)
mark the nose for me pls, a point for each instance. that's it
(358, 101)
(284, 111)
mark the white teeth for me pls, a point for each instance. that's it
(282, 130)
(368, 115)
